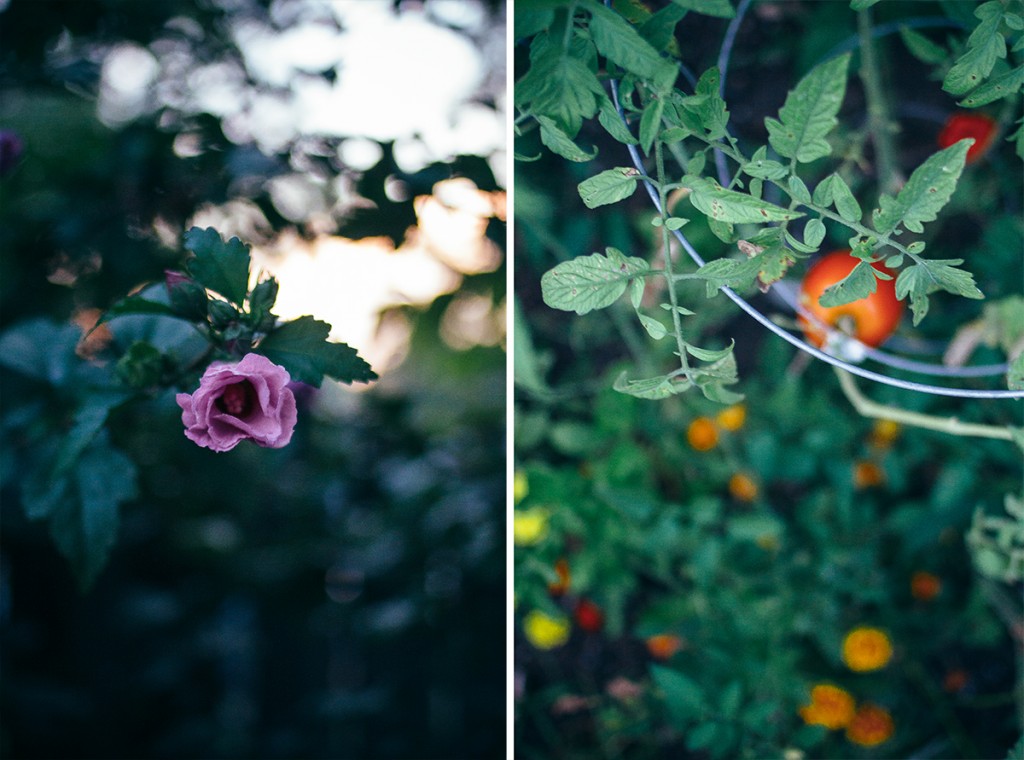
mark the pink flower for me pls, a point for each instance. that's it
(249, 399)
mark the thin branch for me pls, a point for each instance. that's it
(950, 425)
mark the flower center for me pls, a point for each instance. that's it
(237, 400)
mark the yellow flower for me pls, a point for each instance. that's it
(830, 706)
(529, 526)
(884, 433)
(702, 434)
(732, 419)
(544, 631)
(520, 486)
(871, 726)
(742, 487)
(866, 649)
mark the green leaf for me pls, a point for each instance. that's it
(718, 8)
(798, 189)
(984, 46)
(926, 192)
(922, 48)
(928, 276)
(559, 142)
(844, 200)
(762, 167)
(735, 207)
(612, 122)
(676, 222)
(302, 348)
(1001, 87)
(654, 328)
(85, 523)
(734, 273)
(622, 44)
(709, 355)
(41, 349)
(860, 5)
(221, 267)
(708, 105)
(659, 28)
(654, 388)
(137, 305)
(610, 186)
(683, 696)
(814, 233)
(141, 366)
(560, 84)
(650, 123)
(590, 282)
(809, 113)
(1015, 373)
(858, 284)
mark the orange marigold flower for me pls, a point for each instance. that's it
(866, 649)
(732, 419)
(830, 706)
(884, 433)
(871, 725)
(702, 434)
(663, 646)
(561, 585)
(925, 586)
(742, 487)
(867, 474)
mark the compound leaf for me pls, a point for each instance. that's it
(926, 192)
(590, 282)
(809, 113)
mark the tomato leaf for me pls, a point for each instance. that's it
(922, 48)
(590, 282)
(809, 113)
(859, 283)
(734, 207)
(1001, 87)
(622, 44)
(654, 388)
(610, 186)
(984, 46)
(926, 192)
(559, 142)
(927, 276)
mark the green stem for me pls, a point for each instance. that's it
(951, 425)
(659, 158)
(879, 124)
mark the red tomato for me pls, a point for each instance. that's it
(873, 318)
(589, 616)
(966, 124)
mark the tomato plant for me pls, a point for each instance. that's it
(871, 319)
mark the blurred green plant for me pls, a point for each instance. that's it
(733, 551)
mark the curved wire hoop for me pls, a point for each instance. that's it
(875, 354)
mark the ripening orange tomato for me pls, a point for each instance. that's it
(871, 319)
(981, 128)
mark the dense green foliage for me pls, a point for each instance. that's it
(734, 546)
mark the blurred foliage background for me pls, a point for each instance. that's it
(341, 597)
(687, 573)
